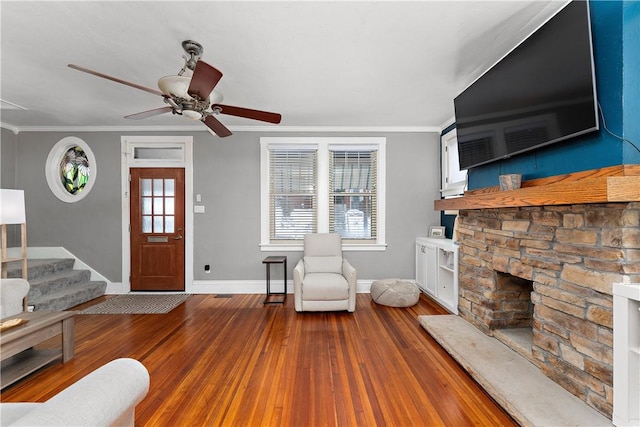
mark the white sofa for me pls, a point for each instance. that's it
(106, 397)
(323, 280)
(12, 293)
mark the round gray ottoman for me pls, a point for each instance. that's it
(395, 292)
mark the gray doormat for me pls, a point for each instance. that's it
(137, 304)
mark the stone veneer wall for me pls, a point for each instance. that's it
(573, 255)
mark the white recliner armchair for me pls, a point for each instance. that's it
(323, 280)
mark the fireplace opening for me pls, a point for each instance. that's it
(513, 312)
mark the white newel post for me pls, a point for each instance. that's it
(626, 354)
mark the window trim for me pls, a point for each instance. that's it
(450, 169)
(322, 144)
(52, 169)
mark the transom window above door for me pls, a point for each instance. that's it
(316, 185)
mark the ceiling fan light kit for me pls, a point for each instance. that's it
(192, 97)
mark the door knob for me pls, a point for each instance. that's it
(177, 238)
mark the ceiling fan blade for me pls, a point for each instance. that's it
(149, 113)
(115, 79)
(248, 113)
(204, 79)
(215, 125)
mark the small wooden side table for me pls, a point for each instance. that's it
(275, 260)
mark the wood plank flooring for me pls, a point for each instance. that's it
(235, 362)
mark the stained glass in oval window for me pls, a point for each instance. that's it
(74, 170)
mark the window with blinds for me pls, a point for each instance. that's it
(353, 194)
(322, 185)
(292, 193)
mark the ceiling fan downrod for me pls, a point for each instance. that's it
(194, 50)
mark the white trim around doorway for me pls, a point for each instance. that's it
(157, 152)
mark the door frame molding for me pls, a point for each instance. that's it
(184, 144)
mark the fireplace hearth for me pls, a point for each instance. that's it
(541, 277)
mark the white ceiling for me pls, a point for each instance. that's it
(359, 64)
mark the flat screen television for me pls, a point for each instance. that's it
(540, 93)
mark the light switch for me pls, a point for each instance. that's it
(198, 198)
(198, 209)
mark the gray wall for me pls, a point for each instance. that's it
(8, 177)
(7, 159)
(227, 175)
(89, 228)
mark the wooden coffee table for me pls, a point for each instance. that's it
(17, 354)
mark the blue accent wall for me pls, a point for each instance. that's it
(615, 29)
(631, 79)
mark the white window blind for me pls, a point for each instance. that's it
(353, 200)
(292, 193)
(322, 185)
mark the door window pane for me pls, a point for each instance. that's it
(169, 224)
(146, 206)
(158, 206)
(158, 224)
(169, 206)
(145, 187)
(146, 224)
(169, 187)
(157, 187)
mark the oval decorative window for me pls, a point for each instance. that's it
(74, 170)
(71, 169)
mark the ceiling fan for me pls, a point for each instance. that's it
(192, 97)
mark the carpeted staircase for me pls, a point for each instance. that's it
(55, 285)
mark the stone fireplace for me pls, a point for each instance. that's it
(547, 272)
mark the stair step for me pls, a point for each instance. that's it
(40, 267)
(56, 282)
(55, 285)
(69, 297)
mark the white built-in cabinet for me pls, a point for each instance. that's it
(437, 270)
(626, 354)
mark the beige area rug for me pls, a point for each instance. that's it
(137, 304)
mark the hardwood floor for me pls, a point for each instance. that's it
(236, 362)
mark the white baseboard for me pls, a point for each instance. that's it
(252, 286)
(114, 288)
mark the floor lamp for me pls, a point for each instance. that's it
(12, 212)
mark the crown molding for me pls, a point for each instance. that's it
(12, 128)
(451, 120)
(199, 128)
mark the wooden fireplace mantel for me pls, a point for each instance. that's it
(612, 184)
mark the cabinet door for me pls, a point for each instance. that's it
(431, 270)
